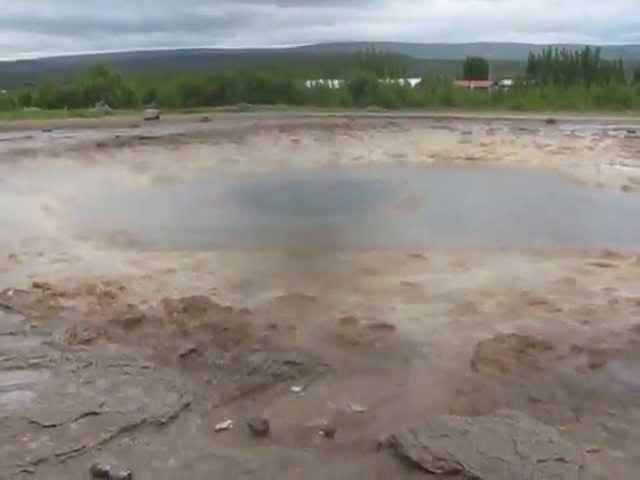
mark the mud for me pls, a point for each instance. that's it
(179, 275)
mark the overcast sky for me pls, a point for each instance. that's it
(43, 27)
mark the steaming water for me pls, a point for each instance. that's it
(346, 208)
(367, 208)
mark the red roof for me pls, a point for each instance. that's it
(474, 83)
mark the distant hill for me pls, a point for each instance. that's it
(517, 52)
(434, 57)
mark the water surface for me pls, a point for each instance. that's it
(362, 208)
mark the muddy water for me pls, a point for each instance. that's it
(350, 208)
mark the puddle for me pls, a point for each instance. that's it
(347, 208)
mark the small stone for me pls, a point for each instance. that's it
(357, 408)
(100, 471)
(297, 389)
(551, 121)
(259, 426)
(592, 449)
(44, 286)
(205, 119)
(328, 431)
(151, 114)
(122, 475)
(223, 426)
(188, 351)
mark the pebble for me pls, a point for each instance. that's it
(223, 426)
(297, 389)
(103, 471)
(259, 426)
(187, 351)
(354, 407)
(100, 471)
(328, 431)
(122, 475)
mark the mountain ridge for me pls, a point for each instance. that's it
(17, 72)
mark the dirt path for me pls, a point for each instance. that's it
(116, 352)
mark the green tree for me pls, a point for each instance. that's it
(364, 88)
(475, 68)
(25, 99)
(103, 84)
(46, 96)
(636, 76)
(566, 68)
(7, 102)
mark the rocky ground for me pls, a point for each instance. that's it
(427, 363)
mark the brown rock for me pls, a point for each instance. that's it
(349, 321)
(100, 471)
(328, 431)
(44, 286)
(259, 426)
(122, 475)
(505, 446)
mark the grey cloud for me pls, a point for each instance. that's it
(56, 26)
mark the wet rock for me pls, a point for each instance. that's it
(151, 114)
(188, 351)
(259, 426)
(44, 286)
(122, 475)
(65, 403)
(504, 446)
(223, 426)
(104, 471)
(100, 471)
(507, 353)
(599, 264)
(328, 431)
(357, 408)
(381, 327)
(297, 389)
(349, 321)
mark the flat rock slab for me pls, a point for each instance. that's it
(505, 446)
(58, 402)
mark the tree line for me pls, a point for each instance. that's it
(554, 80)
(565, 67)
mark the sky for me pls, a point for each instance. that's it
(32, 28)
